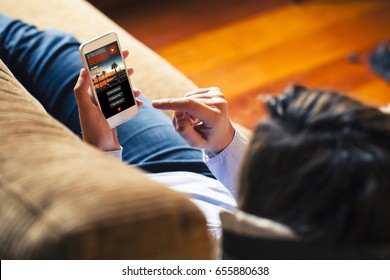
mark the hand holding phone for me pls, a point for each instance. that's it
(94, 126)
(110, 83)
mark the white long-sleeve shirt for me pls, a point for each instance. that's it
(210, 195)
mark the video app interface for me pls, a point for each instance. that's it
(110, 80)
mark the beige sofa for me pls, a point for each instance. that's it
(53, 202)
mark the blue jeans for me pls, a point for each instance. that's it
(47, 64)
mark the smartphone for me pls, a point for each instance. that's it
(110, 82)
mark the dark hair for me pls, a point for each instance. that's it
(320, 163)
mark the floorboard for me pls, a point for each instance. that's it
(248, 48)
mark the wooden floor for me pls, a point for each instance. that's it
(248, 48)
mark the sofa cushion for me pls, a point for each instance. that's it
(247, 236)
(61, 198)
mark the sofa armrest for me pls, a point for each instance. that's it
(63, 199)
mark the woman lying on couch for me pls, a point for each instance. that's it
(316, 169)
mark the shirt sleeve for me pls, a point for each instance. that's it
(225, 165)
(116, 153)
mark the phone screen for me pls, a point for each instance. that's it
(109, 77)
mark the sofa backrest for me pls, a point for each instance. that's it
(63, 199)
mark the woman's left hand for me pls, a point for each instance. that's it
(94, 126)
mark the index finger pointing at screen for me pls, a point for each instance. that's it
(192, 106)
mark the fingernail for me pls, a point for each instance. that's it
(179, 115)
(83, 72)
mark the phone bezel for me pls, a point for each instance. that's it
(95, 44)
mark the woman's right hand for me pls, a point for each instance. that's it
(201, 118)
